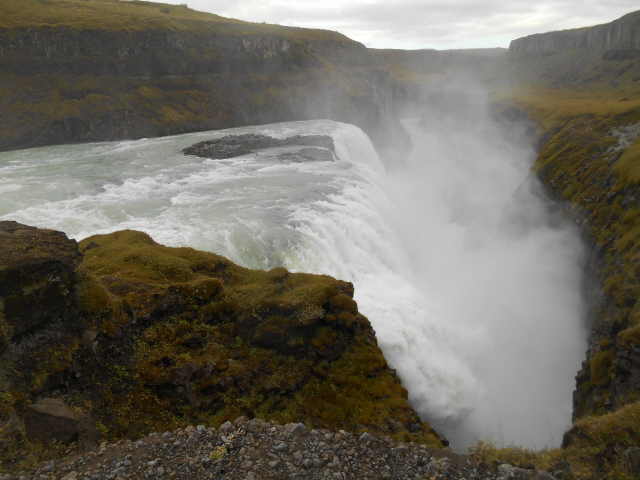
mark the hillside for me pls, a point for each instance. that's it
(119, 15)
(127, 337)
(603, 56)
(78, 71)
(132, 330)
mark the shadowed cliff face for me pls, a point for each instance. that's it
(156, 52)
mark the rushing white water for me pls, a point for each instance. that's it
(472, 293)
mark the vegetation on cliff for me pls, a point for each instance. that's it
(598, 447)
(91, 70)
(588, 153)
(587, 159)
(138, 16)
(150, 338)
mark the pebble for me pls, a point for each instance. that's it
(256, 450)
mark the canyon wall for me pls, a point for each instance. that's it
(602, 56)
(62, 83)
(618, 36)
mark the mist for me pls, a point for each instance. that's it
(469, 275)
(502, 263)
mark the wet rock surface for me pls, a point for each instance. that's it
(236, 145)
(256, 450)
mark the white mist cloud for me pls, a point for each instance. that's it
(503, 267)
(413, 24)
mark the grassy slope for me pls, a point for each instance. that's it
(47, 108)
(136, 16)
(181, 337)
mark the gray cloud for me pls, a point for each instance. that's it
(425, 23)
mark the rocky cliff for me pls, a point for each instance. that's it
(589, 146)
(618, 38)
(100, 70)
(603, 56)
(119, 336)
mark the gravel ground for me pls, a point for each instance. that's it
(256, 450)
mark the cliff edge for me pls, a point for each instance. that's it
(620, 37)
(119, 336)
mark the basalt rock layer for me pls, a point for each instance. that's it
(605, 55)
(77, 71)
(621, 35)
(138, 337)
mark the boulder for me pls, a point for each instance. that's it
(319, 147)
(37, 278)
(51, 419)
(632, 460)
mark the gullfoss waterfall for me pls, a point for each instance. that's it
(472, 285)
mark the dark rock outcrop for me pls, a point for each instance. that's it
(50, 419)
(37, 279)
(142, 337)
(227, 48)
(236, 145)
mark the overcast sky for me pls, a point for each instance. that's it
(413, 24)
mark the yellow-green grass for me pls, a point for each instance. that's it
(596, 448)
(120, 15)
(551, 107)
(628, 166)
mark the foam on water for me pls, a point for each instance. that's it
(342, 218)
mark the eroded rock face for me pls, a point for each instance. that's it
(37, 278)
(621, 38)
(152, 337)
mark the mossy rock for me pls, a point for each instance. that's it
(165, 337)
(595, 448)
(600, 365)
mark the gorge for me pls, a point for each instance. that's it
(482, 204)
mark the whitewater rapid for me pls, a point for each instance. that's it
(349, 218)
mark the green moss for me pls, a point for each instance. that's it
(628, 167)
(188, 337)
(600, 367)
(51, 362)
(630, 337)
(343, 303)
(580, 162)
(595, 448)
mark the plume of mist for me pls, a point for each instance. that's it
(505, 267)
